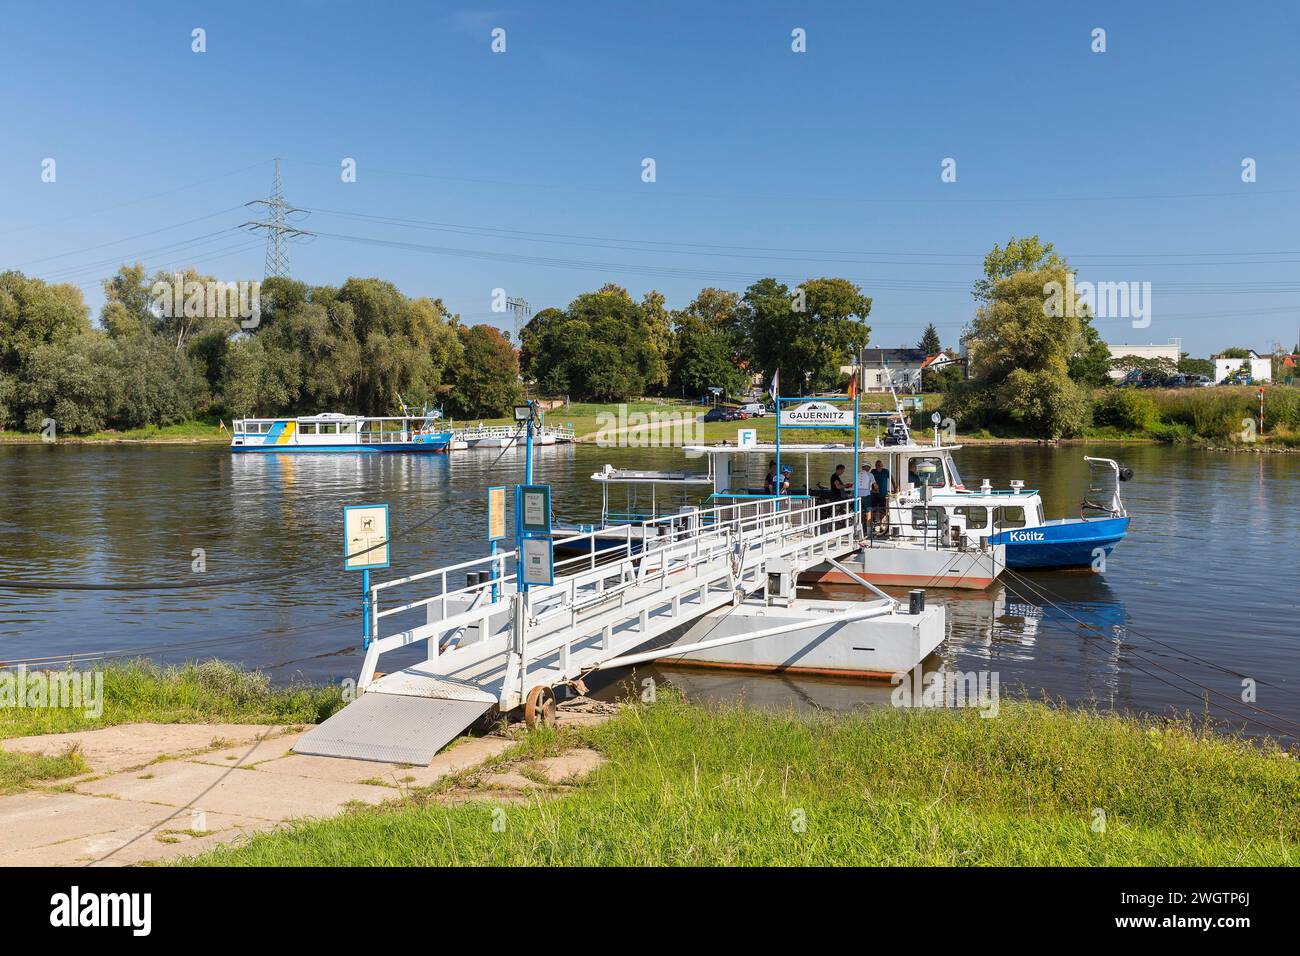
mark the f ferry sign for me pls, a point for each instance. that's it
(817, 415)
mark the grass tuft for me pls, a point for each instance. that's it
(205, 692)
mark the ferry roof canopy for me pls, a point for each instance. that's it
(826, 448)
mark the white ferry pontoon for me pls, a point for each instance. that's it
(333, 432)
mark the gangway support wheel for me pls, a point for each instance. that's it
(539, 708)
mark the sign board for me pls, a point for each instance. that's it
(538, 556)
(534, 509)
(364, 528)
(496, 513)
(747, 438)
(817, 415)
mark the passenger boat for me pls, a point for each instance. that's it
(332, 432)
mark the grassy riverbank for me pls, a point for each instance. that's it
(207, 692)
(1219, 417)
(1212, 418)
(180, 433)
(688, 786)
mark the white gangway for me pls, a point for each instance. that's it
(487, 645)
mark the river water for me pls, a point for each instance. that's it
(1200, 597)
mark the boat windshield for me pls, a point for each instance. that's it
(956, 475)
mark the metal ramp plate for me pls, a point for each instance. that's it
(392, 728)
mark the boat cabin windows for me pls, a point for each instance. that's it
(917, 469)
(347, 428)
(1008, 516)
(256, 428)
(923, 517)
(329, 428)
(306, 428)
(977, 516)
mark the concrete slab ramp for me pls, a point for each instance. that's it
(392, 728)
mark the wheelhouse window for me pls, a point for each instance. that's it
(977, 516)
(923, 517)
(915, 467)
(1010, 517)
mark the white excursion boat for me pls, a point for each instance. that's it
(333, 432)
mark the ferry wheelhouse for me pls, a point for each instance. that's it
(332, 432)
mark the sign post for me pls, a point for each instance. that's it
(820, 413)
(365, 546)
(496, 524)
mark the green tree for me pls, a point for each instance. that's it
(930, 343)
(258, 381)
(485, 381)
(598, 348)
(1020, 347)
(705, 358)
(73, 381)
(659, 333)
(814, 328)
(1090, 364)
(1195, 366)
(1019, 255)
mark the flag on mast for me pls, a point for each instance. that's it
(853, 384)
(775, 390)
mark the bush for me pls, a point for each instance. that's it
(1126, 410)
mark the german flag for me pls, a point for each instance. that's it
(853, 385)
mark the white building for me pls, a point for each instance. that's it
(879, 367)
(1260, 369)
(1171, 350)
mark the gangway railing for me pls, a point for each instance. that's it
(603, 601)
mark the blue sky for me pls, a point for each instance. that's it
(522, 170)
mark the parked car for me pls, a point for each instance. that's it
(720, 414)
(1199, 381)
(1139, 378)
(753, 410)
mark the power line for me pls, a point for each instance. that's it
(874, 283)
(801, 254)
(950, 197)
(132, 202)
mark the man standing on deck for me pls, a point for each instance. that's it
(837, 484)
(880, 499)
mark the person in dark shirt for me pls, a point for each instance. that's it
(880, 497)
(769, 483)
(837, 484)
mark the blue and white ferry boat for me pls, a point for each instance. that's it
(332, 432)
